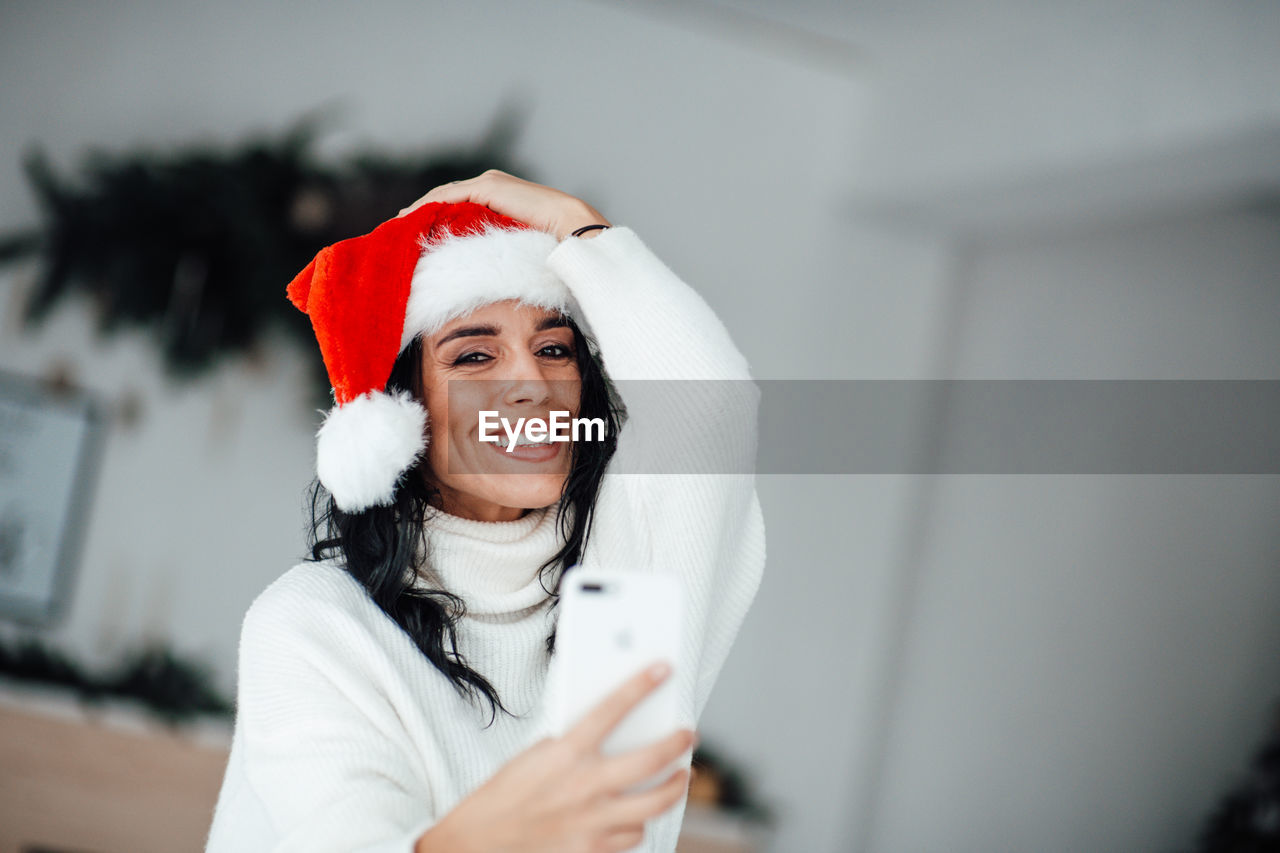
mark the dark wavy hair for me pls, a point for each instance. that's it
(383, 545)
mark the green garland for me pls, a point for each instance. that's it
(174, 689)
(197, 245)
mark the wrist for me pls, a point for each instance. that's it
(588, 231)
(585, 215)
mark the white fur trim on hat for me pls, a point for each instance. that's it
(363, 447)
(459, 274)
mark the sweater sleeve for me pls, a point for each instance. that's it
(323, 755)
(686, 450)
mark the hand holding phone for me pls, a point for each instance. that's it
(594, 807)
(612, 624)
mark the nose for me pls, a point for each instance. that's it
(527, 384)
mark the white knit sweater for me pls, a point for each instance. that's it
(348, 739)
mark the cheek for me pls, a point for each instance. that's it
(463, 407)
(570, 392)
(455, 418)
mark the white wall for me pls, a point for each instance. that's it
(1008, 130)
(1089, 661)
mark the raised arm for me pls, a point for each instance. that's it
(685, 453)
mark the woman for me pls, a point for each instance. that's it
(391, 690)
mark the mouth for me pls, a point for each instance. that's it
(525, 452)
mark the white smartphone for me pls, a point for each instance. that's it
(611, 625)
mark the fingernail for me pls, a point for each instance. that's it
(659, 670)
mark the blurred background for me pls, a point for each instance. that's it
(986, 189)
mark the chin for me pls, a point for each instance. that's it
(531, 495)
(518, 491)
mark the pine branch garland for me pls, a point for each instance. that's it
(196, 245)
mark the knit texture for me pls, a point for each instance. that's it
(348, 739)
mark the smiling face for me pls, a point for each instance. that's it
(519, 361)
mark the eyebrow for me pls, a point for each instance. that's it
(553, 322)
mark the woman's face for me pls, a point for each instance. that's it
(516, 360)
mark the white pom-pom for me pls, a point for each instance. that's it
(363, 447)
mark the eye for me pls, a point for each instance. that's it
(558, 350)
(471, 358)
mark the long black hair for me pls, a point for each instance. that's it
(383, 547)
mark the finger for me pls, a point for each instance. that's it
(637, 808)
(469, 189)
(592, 729)
(450, 192)
(480, 189)
(622, 771)
(405, 211)
(503, 193)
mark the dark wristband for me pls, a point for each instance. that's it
(585, 228)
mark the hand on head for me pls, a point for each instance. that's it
(536, 205)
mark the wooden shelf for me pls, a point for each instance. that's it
(75, 780)
(108, 779)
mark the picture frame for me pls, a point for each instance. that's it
(50, 446)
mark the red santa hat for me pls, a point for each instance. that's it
(368, 298)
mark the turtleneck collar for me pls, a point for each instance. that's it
(492, 565)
